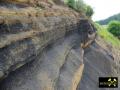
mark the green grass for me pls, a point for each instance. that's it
(107, 36)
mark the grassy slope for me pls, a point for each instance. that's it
(102, 31)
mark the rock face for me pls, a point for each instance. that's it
(58, 67)
(97, 64)
(51, 48)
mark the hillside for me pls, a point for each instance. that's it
(49, 46)
(106, 21)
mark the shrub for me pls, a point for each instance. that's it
(114, 28)
(106, 35)
(77, 5)
(80, 6)
(71, 3)
(89, 11)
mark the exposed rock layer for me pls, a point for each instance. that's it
(50, 49)
(23, 39)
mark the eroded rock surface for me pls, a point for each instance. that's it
(97, 64)
(50, 47)
(58, 68)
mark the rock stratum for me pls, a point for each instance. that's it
(46, 46)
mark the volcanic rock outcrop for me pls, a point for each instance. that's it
(50, 47)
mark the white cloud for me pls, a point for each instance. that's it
(104, 8)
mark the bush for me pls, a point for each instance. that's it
(80, 6)
(89, 11)
(77, 5)
(114, 28)
(106, 35)
(71, 3)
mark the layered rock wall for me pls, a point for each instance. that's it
(49, 48)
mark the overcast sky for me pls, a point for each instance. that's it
(104, 8)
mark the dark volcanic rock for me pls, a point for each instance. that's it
(97, 64)
(58, 67)
(50, 48)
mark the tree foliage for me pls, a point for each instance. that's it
(114, 28)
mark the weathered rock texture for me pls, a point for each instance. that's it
(98, 63)
(49, 48)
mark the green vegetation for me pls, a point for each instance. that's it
(114, 28)
(80, 6)
(106, 21)
(89, 11)
(71, 3)
(106, 35)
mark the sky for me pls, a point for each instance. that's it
(104, 8)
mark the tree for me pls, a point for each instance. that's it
(114, 28)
